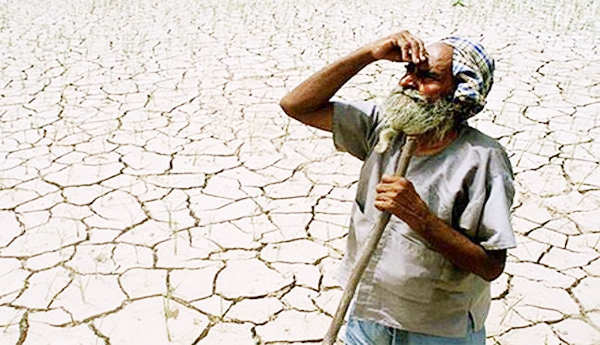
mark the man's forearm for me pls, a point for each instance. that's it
(460, 250)
(316, 92)
(398, 196)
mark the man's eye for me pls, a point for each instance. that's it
(431, 75)
(428, 75)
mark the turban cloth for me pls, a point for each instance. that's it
(473, 71)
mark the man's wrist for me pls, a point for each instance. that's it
(429, 223)
(365, 55)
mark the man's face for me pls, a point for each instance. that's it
(407, 111)
(419, 105)
(433, 78)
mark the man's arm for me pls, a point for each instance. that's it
(397, 196)
(310, 102)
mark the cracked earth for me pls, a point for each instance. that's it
(153, 192)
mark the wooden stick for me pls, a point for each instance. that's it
(366, 253)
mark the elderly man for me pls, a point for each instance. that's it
(428, 281)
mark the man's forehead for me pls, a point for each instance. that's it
(440, 57)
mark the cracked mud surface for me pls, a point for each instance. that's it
(152, 191)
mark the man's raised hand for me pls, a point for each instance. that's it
(399, 47)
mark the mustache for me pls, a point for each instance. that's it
(410, 93)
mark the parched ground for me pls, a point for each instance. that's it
(152, 191)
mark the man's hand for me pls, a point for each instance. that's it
(399, 47)
(397, 196)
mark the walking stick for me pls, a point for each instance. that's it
(366, 253)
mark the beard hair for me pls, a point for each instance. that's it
(405, 110)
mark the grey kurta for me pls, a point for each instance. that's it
(407, 285)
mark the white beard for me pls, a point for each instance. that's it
(406, 111)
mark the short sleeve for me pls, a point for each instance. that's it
(495, 231)
(487, 213)
(355, 127)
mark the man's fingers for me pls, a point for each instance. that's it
(400, 47)
(404, 46)
(402, 42)
(385, 203)
(414, 49)
(383, 188)
(387, 178)
(422, 52)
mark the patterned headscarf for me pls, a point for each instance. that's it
(473, 69)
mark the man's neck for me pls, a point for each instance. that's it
(426, 147)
